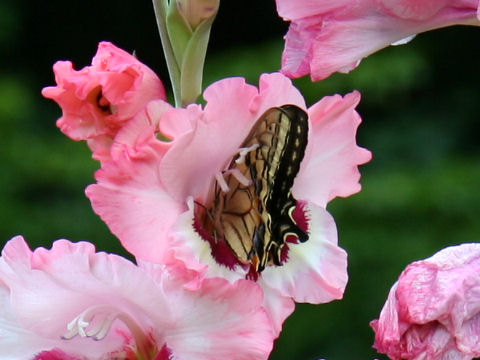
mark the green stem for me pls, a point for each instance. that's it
(160, 7)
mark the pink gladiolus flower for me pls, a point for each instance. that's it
(433, 310)
(146, 194)
(98, 100)
(329, 36)
(55, 303)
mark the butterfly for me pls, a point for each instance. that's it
(252, 206)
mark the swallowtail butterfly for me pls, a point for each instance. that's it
(253, 214)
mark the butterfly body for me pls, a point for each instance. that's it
(254, 216)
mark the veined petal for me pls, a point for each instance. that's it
(316, 270)
(330, 166)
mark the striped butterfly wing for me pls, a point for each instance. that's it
(255, 216)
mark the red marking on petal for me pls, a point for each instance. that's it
(164, 354)
(220, 250)
(252, 274)
(292, 239)
(300, 216)
(55, 354)
(301, 219)
(285, 250)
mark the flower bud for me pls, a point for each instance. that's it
(196, 11)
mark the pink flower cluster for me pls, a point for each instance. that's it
(182, 300)
(188, 297)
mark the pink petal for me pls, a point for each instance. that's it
(233, 328)
(433, 311)
(217, 132)
(277, 307)
(125, 81)
(326, 37)
(130, 198)
(293, 10)
(50, 287)
(98, 100)
(12, 333)
(316, 271)
(43, 303)
(330, 165)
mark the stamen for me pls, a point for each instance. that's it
(244, 151)
(221, 182)
(237, 174)
(104, 315)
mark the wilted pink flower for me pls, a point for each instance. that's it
(329, 36)
(433, 310)
(98, 100)
(146, 195)
(55, 303)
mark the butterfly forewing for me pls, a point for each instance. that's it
(254, 217)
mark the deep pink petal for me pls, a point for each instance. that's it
(433, 311)
(98, 100)
(330, 166)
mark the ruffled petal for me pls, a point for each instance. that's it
(330, 166)
(433, 310)
(48, 288)
(130, 198)
(44, 297)
(315, 271)
(98, 100)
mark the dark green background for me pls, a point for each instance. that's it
(420, 108)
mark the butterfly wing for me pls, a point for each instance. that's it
(254, 217)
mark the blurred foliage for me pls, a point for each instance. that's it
(420, 110)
